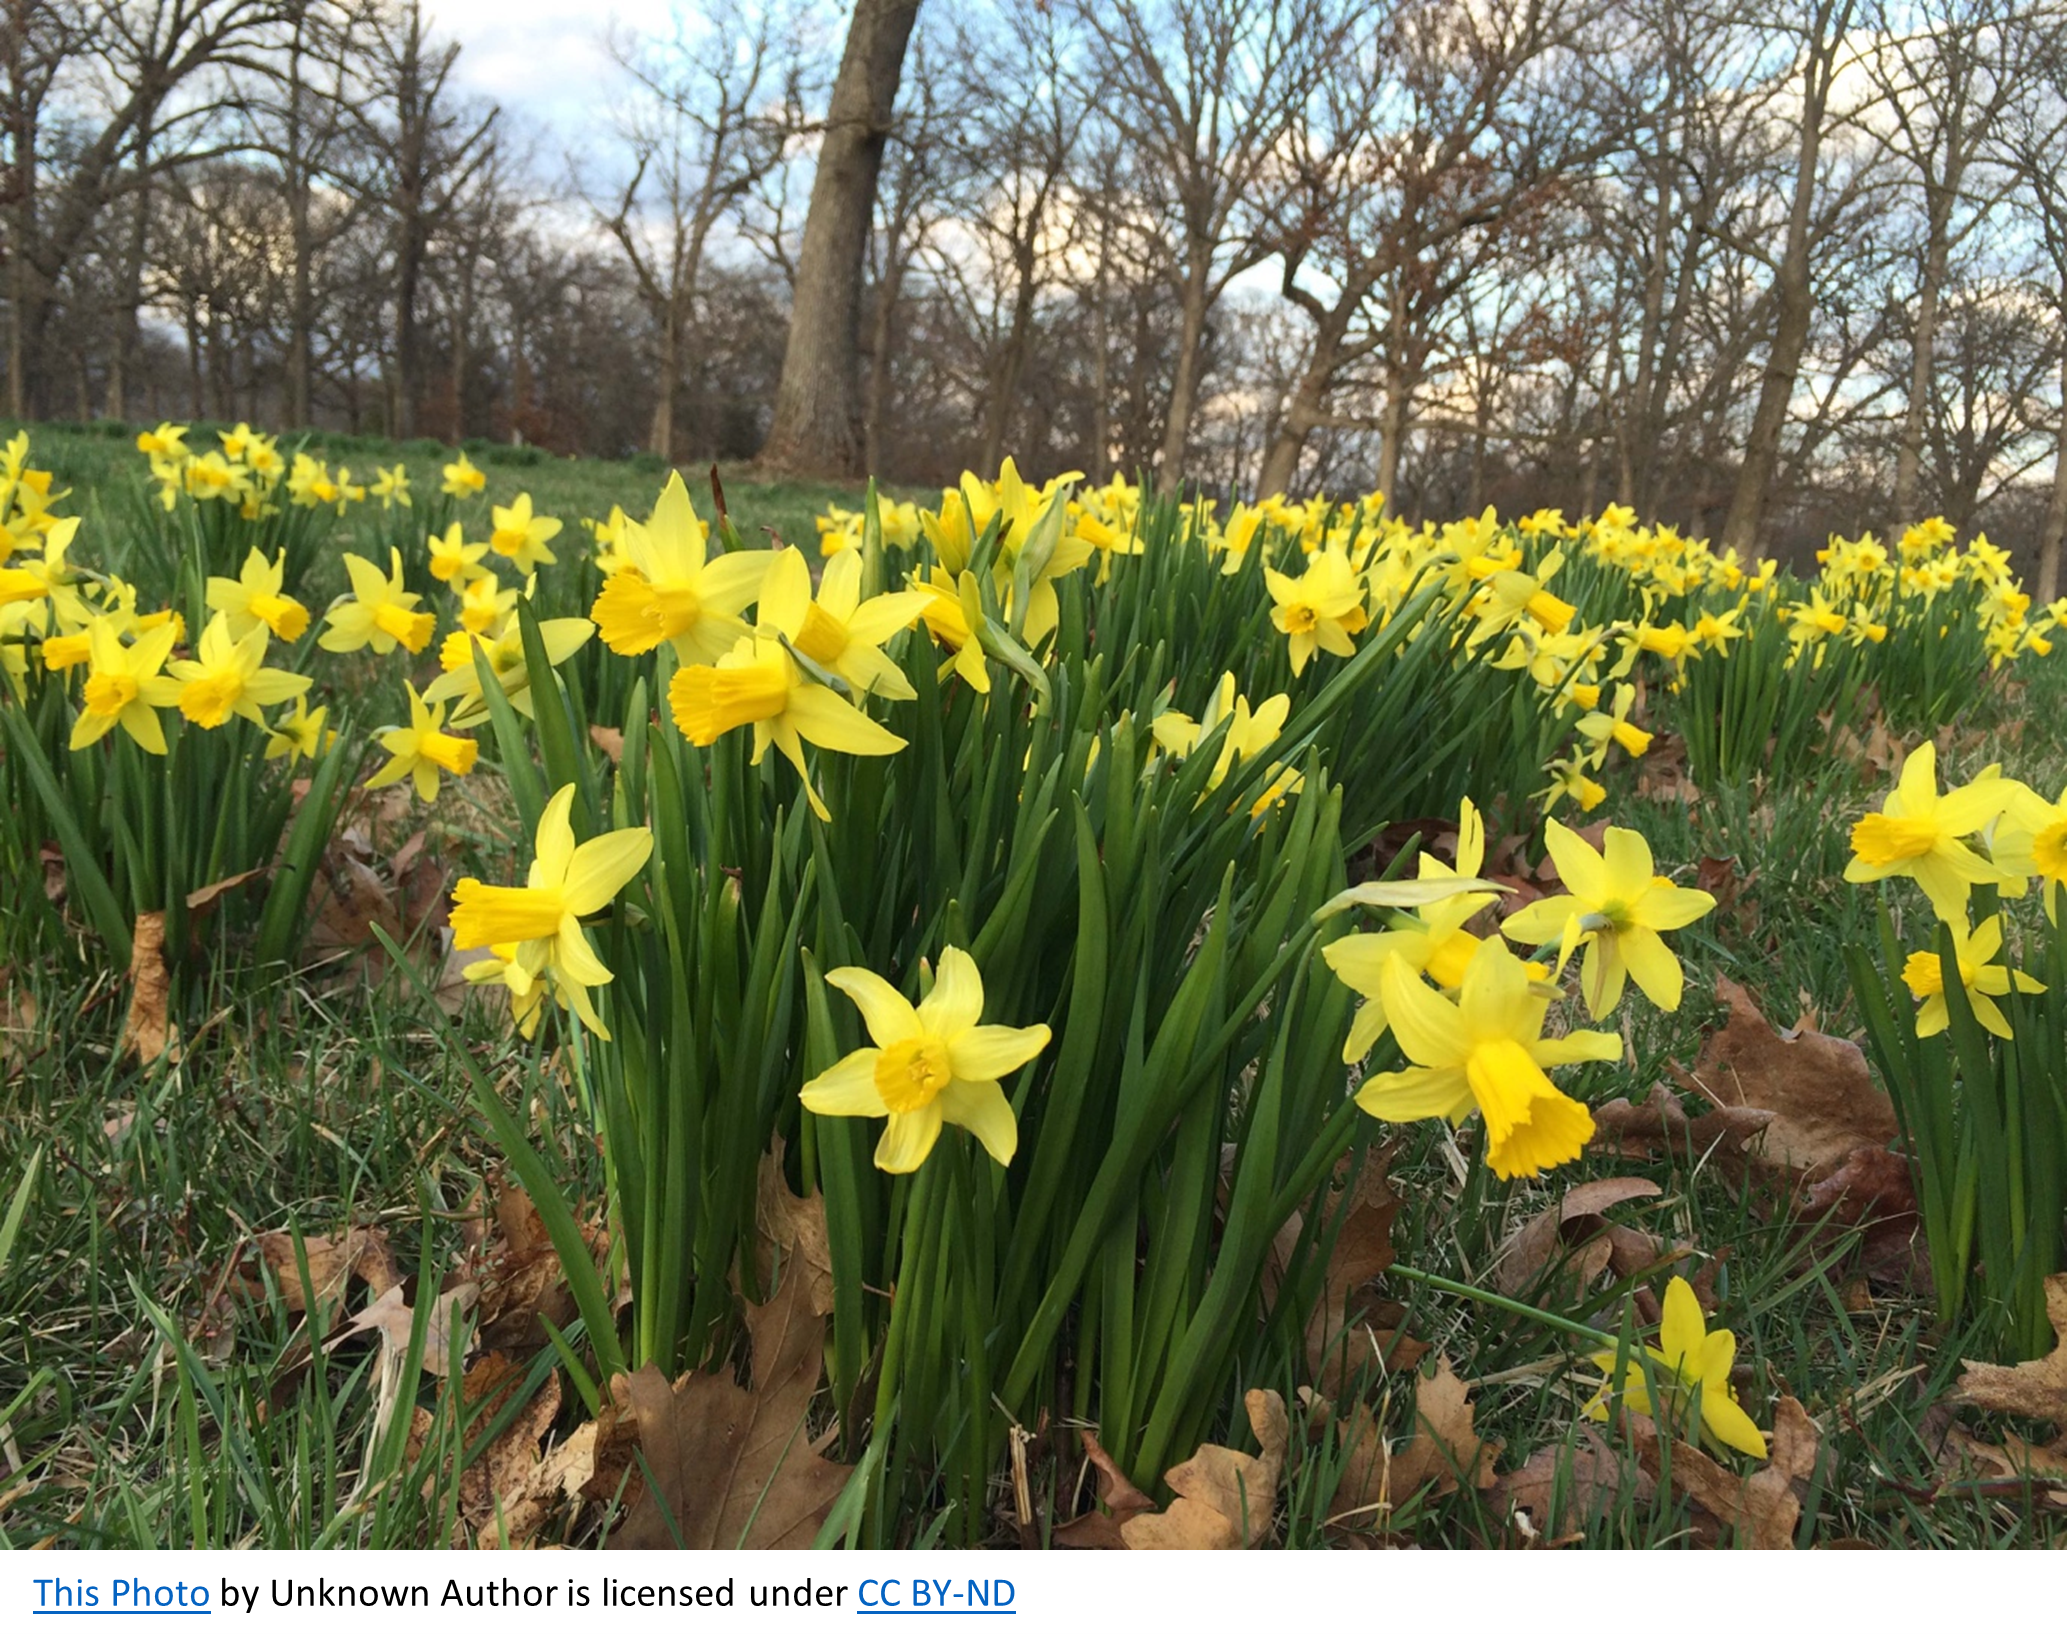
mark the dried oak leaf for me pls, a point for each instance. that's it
(204, 900)
(1344, 1332)
(1445, 1448)
(1763, 1508)
(1225, 1499)
(523, 1280)
(736, 1468)
(1818, 1088)
(1563, 1483)
(147, 1032)
(1577, 1232)
(793, 1229)
(501, 1492)
(362, 1253)
(1871, 1190)
(20, 1037)
(391, 1316)
(1963, 1458)
(1120, 1500)
(1659, 1126)
(2030, 1389)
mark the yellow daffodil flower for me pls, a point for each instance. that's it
(484, 604)
(1614, 726)
(462, 479)
(391, 486)
(1984, 980)
(1322, 608)
(227, 676)
(837, 630)
(670, 590)
(1486, 1051)
(299, 733)
(420, 751)
(522, 537)
(759, 684)
(1687, 1360)
(453, 560)
(1921, 833)
(461, 682)
(124, 687)
(527, 992)
(378, 613)
(1249, 734)
(167, 442)
(540, 920)
(2031, 842)
(1618, 904)
(947, 621)
(931, 1064)
(255, 597)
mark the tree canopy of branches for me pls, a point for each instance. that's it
(1762, 273)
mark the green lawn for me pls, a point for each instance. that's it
(101, 459)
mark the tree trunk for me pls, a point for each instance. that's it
(1004, 384)
(1101, 379)
(660, 438)
(1184, 387)
(126, 342)
(882, 337)
(1795, 296)
(817, 427)
(1923, 340)
(2056, 510)
(1309, 396)
(411, 229)
(1392, 432)
(23, 306)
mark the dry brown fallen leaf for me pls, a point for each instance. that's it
(362, 1252)
(793, 1229)
(523, 1284)
(1658, 1126)
(1349, 1328)
(1586, 1475)
(1763, 1508)
(147, 1032)
(735, 1467)
(201, 902)
(20, 1037)
(610, 740)
(1577, 1231)
(391, 1317)
(2030, 1389)
(1378, 1477)
(1445, 1447)
(1121, 1500)
(1818, 1088)
(500, 1492)
(1965, 1459)
(1225, 1499)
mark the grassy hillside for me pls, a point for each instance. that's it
(97, 461)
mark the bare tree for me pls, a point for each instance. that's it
(718, 105)
(817, 426)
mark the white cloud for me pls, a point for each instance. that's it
(544, 60)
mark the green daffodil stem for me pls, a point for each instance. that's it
(1514, 1307)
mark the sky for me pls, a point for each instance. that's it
(542, 59)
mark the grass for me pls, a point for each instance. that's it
(147, 1397)
(99, 462)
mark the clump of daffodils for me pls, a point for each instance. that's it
(1469, 1015)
